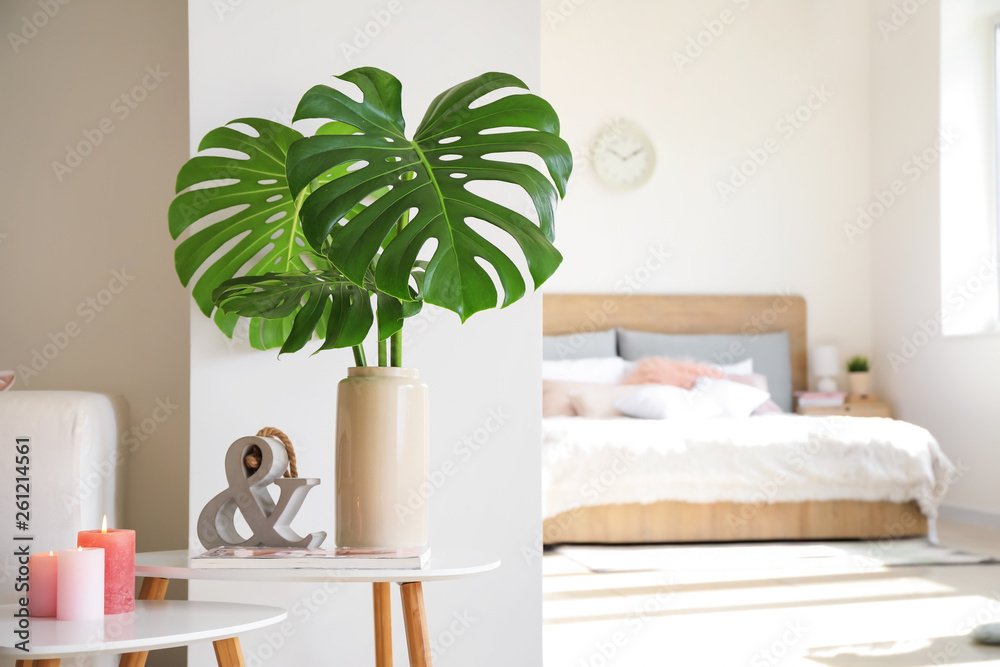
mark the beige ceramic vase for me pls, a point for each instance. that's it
(382, 458)
(859, 383)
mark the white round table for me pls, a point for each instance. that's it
(154, 624)
(159, 567)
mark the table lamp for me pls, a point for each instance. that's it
(825, 367)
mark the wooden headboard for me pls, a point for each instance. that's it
(684, 313)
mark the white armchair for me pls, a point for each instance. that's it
(75, 464)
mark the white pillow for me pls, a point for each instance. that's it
(733, 398)
(667, 402)
(606, 370)
(744, 367)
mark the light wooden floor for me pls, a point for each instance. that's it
(899, 617)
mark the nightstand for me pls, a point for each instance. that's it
(867, 408)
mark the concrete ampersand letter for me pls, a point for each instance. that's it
(269, 522)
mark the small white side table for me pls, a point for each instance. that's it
(153, 625)
(160, 566)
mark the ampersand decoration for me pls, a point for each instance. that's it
(252, 464)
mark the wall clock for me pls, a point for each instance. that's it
(624, 156)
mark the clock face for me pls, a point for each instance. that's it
(624, 157)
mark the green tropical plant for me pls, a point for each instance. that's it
(857, 364)
(300, 234)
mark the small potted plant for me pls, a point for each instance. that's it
(349, 231)
(858, 377)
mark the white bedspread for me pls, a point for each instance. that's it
(778, 458)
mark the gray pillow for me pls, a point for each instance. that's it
(580, 345)
(770, 354)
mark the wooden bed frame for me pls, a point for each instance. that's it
(674, 521)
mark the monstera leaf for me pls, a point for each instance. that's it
(424, 187)
(255, 220)
(318, 302)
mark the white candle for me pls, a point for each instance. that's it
(80, 587)
(42, 585)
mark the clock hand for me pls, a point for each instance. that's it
(633, 154)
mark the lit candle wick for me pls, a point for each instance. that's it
(104, 524)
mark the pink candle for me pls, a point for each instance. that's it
(42, 576)
(119, 565)
(80, 584)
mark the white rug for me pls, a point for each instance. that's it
(818, 556)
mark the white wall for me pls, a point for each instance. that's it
(71, 223)
(968, 167)
(946, 384)
(781, 231)
(258, 59)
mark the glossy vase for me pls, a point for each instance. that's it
(382, 458)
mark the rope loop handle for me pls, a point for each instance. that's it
(253, 459)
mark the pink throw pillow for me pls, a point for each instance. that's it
(660, 370)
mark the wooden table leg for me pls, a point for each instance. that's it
(228, 652)
(152, 589)
(418, 642)
(381, 599)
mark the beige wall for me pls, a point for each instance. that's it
(84, 251)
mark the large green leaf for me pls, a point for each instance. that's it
(254, 219)
(428, 176)
(321, 302)
(254, 224)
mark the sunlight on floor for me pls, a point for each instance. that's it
(899, 616)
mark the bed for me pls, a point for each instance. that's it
(773, 477)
